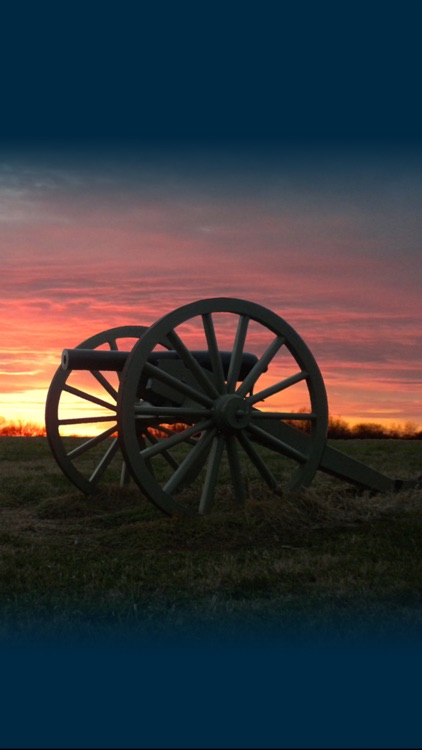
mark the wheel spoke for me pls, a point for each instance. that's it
(88, 397)
(105, 461)
(261, 365)
(265, 438)
(124, 475)
(164, 453)
(277, 387)
(86, 420)
(190, 463)
(179, 385)
(105, 383)
(236, 358)
(235, 469)
(258, 461)
(91, 443)
(211, 477)
(214, 353)
(192, 364)
(169, 431)
(114, 348)
(179, 437)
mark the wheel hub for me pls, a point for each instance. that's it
(232, 412)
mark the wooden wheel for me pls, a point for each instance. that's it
(85, 459)
(231, 427)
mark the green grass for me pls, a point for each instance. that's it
(323, 560)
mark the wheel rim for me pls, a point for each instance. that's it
(88, 459)
(236, 423)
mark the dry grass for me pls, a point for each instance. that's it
(325, 557)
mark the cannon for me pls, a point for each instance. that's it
(219, 397)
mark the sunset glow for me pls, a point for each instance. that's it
(333, 248)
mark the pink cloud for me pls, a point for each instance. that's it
(74, 263)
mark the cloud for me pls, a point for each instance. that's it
(335, 252)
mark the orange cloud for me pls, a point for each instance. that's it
(84, 251)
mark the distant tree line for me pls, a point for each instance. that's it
(339, 428)
(19, 428)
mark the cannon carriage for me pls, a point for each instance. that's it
(216, 398)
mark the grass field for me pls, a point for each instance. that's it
(326, 559)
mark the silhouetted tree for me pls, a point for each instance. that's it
(369, 430)
(21, 429)
(409, 430)
(338, 428)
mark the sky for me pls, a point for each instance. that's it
(159, 153)
(329, 240)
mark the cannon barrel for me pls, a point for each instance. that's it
(93, 359)
(97, 359)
